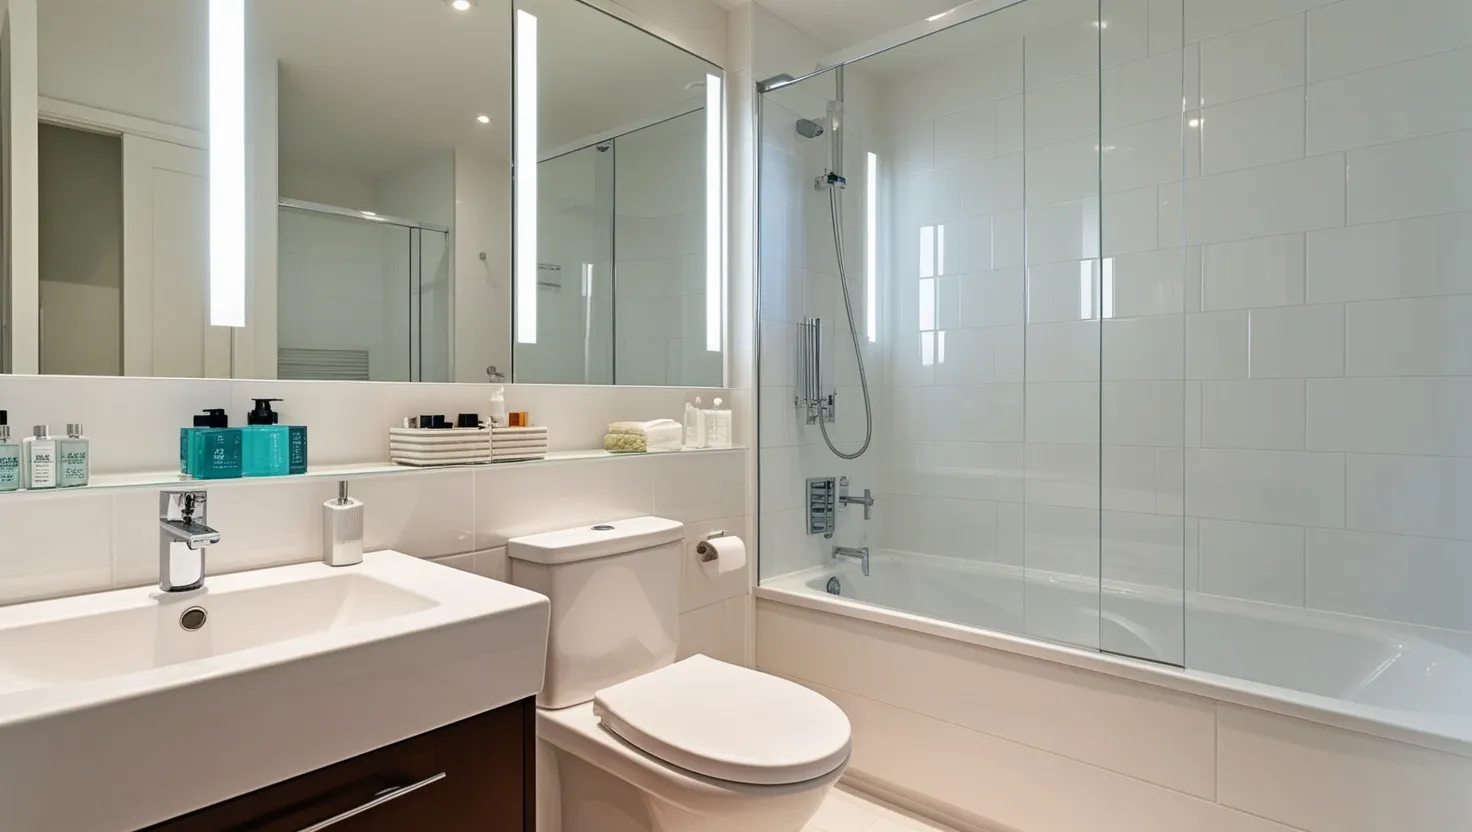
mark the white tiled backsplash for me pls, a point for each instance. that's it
(64, 543)
(1276, 336)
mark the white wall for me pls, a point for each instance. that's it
(799, 278)
(697, 26)
(575, 204)
(482, 287)
(149, 65)
(328, 188)
(659, 240)
(461, 516)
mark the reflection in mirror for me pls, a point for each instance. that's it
(394, 179)
(627, 282)
(378, 187)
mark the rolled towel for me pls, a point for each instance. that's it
(657, 434)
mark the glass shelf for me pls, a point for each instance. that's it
(164, 479)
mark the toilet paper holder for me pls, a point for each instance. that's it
(706, 553)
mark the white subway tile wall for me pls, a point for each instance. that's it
(461, 517)
(1258, 369)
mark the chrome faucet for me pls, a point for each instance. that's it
(867, 501)
(861, 555)
(183, 534)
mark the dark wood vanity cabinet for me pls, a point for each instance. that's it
(475, 775)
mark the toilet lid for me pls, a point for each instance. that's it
(728, 722)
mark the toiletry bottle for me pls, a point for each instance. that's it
(718, 427)
(342, 529)
(211, 449)
(75, 459)
(38, 455)
(499, 417)
(9, 457)
(267, 446)
(694, 425)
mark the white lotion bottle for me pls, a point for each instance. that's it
(38, 455)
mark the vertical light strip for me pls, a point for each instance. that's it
(527, 142)
(1085, 290)
(871, 251)
(715, 215)
(227, 163)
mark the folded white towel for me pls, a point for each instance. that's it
(659, 433)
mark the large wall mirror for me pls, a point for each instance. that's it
(380, 209)
(627, 282)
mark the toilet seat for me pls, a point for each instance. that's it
(728, 723)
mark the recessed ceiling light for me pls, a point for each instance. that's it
(461, 5)
(483, 119)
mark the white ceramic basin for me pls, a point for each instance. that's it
(107, 698)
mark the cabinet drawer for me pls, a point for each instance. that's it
(474, 775)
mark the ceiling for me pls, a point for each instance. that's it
(840, 23)
(368, 87)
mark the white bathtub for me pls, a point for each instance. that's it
(1403, 682)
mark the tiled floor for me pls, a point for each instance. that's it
(846, 811)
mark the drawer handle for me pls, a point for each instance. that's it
(385, 796)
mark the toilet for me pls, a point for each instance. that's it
(629, 740)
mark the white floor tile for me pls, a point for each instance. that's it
(847, 811)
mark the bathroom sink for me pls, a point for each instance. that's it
(118, 642)
(165, 704)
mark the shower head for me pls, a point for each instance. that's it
(809, 129)
(774, 83)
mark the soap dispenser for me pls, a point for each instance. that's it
(211, 450)
(9, 457)
(342, 529)
(267, 445)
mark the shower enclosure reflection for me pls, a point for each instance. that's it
(362, 297)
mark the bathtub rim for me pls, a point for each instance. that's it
(1323, 710)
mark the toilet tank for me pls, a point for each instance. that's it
(615, 592)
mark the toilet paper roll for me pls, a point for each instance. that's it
(722, 555)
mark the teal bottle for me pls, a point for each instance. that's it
(267, 444)
(211, 450)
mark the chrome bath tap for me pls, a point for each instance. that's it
(183, 535)
(860, 555)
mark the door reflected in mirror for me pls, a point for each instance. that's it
(378, 191)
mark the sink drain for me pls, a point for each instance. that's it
(834, 587)
(193, 618)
